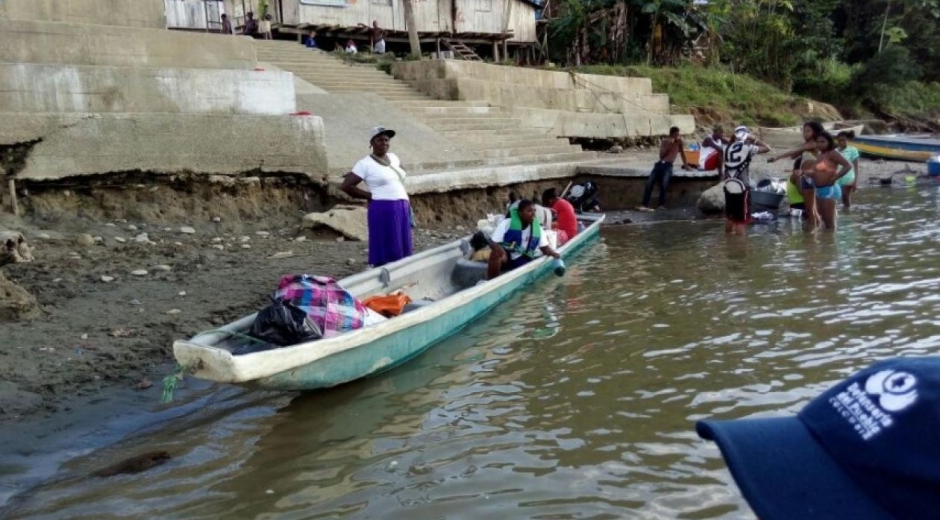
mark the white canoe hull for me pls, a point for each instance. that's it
(329, 362)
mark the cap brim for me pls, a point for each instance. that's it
(389, 133)
(785, 474)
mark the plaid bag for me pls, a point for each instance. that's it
(327, 304)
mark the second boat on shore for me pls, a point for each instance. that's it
(900, 147)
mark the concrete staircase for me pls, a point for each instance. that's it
(490, 133)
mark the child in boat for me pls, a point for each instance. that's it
(517, 241)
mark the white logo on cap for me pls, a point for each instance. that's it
(869, 409)
(895, 390)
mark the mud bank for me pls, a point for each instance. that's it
(124, 267)
(250, 198)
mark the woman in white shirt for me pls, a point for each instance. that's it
(389, 214)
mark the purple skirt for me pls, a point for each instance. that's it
(389, 231)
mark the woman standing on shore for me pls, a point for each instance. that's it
(850, 181)
(829, 167)
(806, 152)
(389, 214)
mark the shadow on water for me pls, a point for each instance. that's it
(576, 399)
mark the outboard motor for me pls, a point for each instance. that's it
(584, 197)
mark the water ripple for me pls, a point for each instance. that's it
(578, 398)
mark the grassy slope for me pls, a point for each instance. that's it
(715, 95)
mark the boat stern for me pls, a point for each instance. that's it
(209, 363)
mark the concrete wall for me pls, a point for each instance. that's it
(93, 144)
(565, 123)
(516, 86)
(62, 88)
(73, 44)
(127, 13)
(348, 118)
(523, 77)
(556, 103)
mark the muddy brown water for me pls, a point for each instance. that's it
(576, 399)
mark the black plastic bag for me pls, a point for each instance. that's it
(284, 324)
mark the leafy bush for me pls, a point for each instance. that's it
(827, 80)
(885, 80)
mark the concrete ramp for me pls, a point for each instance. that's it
(71, 145)
(28, 87)
(348, 118)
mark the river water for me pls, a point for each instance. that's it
(576, 399)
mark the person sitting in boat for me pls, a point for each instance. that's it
(545, 214)
(566, 223)
(517, 241)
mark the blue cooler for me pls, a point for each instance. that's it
(933, 167)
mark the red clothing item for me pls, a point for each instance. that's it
(567, 220)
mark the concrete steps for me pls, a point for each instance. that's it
(454, 127)
(437, 103)
(531, 150)
(340, 74)
(429, 113)
(489, 133)
(365, 87)
(545, 158)
(501, 135)
(538, 141)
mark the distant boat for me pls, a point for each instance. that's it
(902, 147)
(442, 274)
(791, 137)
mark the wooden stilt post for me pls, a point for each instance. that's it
(439, 49)
(505, 49)
(495, 51)
(14, 205)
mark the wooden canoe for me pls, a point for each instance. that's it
(792, 137)
(902, 147)
(378, 347)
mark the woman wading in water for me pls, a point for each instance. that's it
(829, 167)
(389, 214)
(806, 152)
(850, 181)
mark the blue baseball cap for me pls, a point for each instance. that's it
(867, 449)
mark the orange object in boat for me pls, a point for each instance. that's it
(389, 305)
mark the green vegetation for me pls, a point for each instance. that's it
(870, 56)
(382, 62)
(712, 92)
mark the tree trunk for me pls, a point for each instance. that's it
(884, 25)
(412, 28)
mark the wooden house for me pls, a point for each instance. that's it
(509, 22)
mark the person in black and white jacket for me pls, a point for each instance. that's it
(735, 174)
